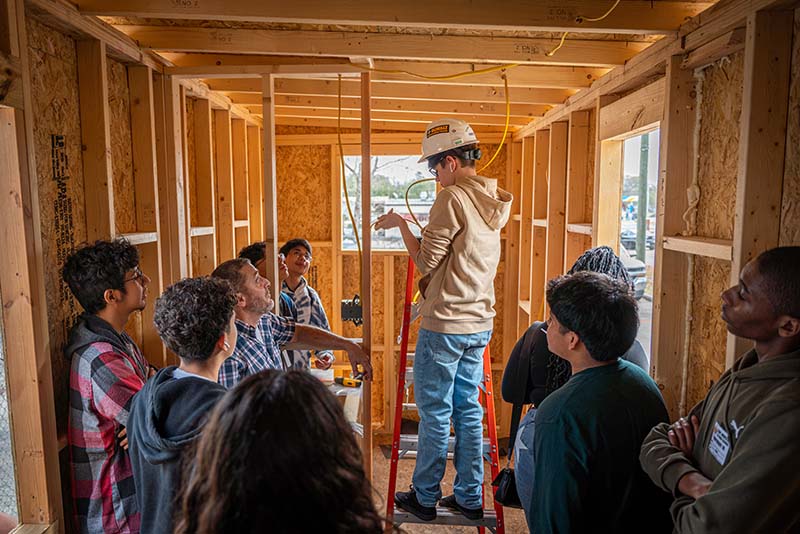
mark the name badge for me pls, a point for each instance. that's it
(720, 444)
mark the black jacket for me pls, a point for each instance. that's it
(166, 419)
(533, 372)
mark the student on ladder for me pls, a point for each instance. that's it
(458, 253)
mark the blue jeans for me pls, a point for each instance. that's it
(448, 370)
(524, 461)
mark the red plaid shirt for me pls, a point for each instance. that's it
(103, 382)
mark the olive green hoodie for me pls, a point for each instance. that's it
(748, 444)
(460, 251)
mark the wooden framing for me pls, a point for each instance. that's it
(386, 46)
(366, 266)
(577, 227)
(170, 244)
(410, 106)
(96, 139)
(226, 239)
(436, 92)
(145, 172)
(633, 114)
(556, 199)
(28, 373)
(171, 187)
(241, 186)
(256, 184)
(638, 17)
(670, 273)
(270, 198)
(767, 65)
(539, 243)
(204, 246)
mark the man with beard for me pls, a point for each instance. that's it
(262, 334)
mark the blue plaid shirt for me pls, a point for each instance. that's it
(257, 348)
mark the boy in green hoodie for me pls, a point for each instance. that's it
(733, 464)
(459, 253)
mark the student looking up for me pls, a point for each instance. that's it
(310, 310)
(195, 320)
(262, 334)
(107, 370)
(733, 463)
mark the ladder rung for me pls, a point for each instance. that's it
(410, 442)
(445, 516)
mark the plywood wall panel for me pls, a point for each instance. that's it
(119, 120)
(59, 173)
(790, 205)
(721, 108)
(304, 192)
(708, 331)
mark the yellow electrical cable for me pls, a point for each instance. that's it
(580, 19)
(344, 177)
(445, 77)
(505, 130)
(408, 204)
(556, 49)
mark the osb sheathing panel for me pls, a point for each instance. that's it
(191, 158)
(53, 65)
(720, 110)
(351, 286)
(304, 192)
(708, 331)
(377, 388)
(119, 121)
(790, 206)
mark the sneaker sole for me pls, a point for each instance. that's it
(415, 513)
(457, 509)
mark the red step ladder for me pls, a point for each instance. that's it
(405, 445)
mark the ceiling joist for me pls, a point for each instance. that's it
(380, 104)
(409, 47)
(392, 116)
(632, 16)
(377, 125)
(397, 91)
(522, 76)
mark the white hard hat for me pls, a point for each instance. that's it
(445, 134)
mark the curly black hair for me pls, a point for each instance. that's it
(192, 314)
(254, 252)
(94, 268)
(601, 310)
(293, 243)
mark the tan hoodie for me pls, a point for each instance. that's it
(460, 251)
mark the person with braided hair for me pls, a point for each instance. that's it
(533, 372)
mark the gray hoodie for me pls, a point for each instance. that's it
(460, 251)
